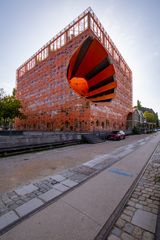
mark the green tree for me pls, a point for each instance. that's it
(2, 93)
(150, 117)
(157, 119)
(10, 108)
(139, 105)
(14, 92)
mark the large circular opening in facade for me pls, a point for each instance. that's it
(90, 72)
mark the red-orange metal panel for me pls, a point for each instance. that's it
(106, 73)
(102, 89)
(95, 54)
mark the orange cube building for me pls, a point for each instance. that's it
(78, 81)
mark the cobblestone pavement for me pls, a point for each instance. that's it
(22, 201)
(138, 219)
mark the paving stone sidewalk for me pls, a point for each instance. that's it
(139, 217)
(22, 201)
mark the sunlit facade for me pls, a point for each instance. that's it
(49, 99)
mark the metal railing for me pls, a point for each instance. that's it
(87, 20)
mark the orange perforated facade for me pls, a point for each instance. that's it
(49, 101)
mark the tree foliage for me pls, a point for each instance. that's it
(150, 117)
(10, 108)
(139, 105)
(2, 93)
(148, 113)
(157, 120)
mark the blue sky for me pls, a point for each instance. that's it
(26, 25)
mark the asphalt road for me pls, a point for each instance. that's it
(25, 168)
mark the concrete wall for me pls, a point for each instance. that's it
(28, 138)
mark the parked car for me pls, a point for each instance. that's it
(116, 135)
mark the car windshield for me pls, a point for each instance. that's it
(115, 132)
